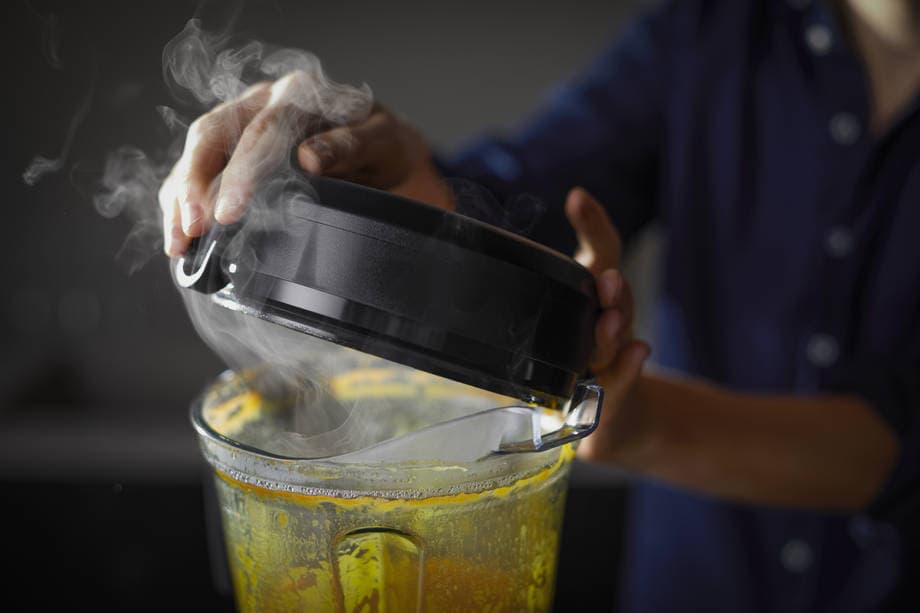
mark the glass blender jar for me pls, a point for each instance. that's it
(419, 461)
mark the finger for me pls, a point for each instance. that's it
(266, 142)
(614, 327)
(599, 245)
(166, 196)
(617, 381)
(175, 241)
(330, 152)
(169, 209)
(608, 338)
(623, 373)
(625, 303)
(614, 291)
(263, 147)
(369, 152)
(208, 144)
(609, 287)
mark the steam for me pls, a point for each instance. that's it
(204, 70)
(51, 40)
(41, 165)
(130, 176)
(286, 366)
(170, 117)
(519, 214)
(194, 63)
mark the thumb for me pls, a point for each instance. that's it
(599, 245)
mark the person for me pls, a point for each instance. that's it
(778, 145)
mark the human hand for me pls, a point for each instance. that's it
(618, 357)
(230, 148)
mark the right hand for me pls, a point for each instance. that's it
(618, 357)
(240, 140)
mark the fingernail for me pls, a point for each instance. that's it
(190, 215)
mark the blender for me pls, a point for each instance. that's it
(415, 456)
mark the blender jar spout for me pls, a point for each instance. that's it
(581, 420)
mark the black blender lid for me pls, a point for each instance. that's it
(408, 282)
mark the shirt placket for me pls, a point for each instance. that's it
(843, 149)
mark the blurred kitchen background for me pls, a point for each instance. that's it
(102, 482)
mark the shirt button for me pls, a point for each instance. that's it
(839, 242)
(819, 39)
(796, 556)
(822, 350)
(845, 128)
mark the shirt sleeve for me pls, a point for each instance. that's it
(601, 130)
(892, 388)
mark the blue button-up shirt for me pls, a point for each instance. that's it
(791, 264)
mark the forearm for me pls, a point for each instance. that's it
(829, 452)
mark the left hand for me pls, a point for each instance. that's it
(618, 357)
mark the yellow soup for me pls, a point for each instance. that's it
(465, 545)
(491, 551)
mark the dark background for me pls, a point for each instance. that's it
(101, 477)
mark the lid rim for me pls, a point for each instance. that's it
(459, 358)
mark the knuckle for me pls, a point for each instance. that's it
(257, 88)
(261, 124)
(212, 121)
(197, 127)
(286, 115)
(292, 82)
(200, 129)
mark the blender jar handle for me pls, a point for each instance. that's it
(379, 565)
(581, 420)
